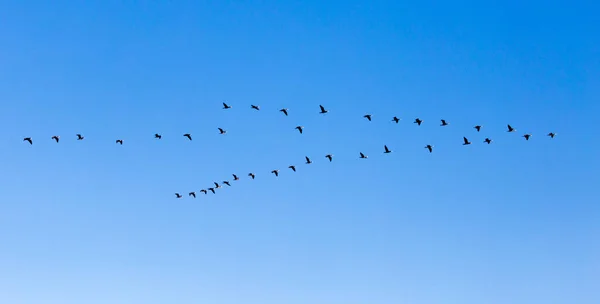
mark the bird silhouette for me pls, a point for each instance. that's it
(79, 136)
(362, 155)
(329, 156)
(444, 123)
(188, 135)
(284, 111)
(510, 129)
(396, 119)
(56, 138)
(367, 116)
(157, 136)
(212, 190)
(429, 147)
(217, 186)
(386, 149)
(204, 191)
(276, 172)
(255, 107)
(551, 134)
(29, 140)
(293, 168)
(221, 131)
(300, 128)
(323, 111)
(478, 128)
(226, 106)
(308, 161)
(527, 136)
(177, 195)
(227, 183)
(192, 194)
(251, 175)
(418, 121)
(487, 141)
(466, 141)
(235, 177)
(119, 141)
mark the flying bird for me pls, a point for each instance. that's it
(418, 121)
(285, 111)
(56, 138)
(429, 147)
(221, 131)
(29, 140)
(396, 119)
(329, 156)
(177, 195)
(226, 106)
(308, 161)
(119, 141)
(363, 155)
(487, 141)
(293, 168)
(227, 183)
(255, 107)
(235, 177)
(188, 135)
(300, 128)
(527, 136)
(217, 186)
(192, 194)
(212, 190)
(79, 136)
(251, 175)
(157, 136)
(386, 149)
(551, 134)
(204, 191)
(323, 111)
(478, 128)
(466, 141)
(276, 172)
(444, 123)
(510, 129)
(367, 116)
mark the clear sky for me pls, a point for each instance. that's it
(93, 222)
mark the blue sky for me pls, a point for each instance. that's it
(94, 222)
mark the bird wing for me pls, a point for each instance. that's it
(322, 108)
(465, 140)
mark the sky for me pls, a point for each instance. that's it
(93, 222)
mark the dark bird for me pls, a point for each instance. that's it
(308, 161)
(510, 129)
(56, 138)
(362, 155)
(212, 190)
(329, 156)
(251, 175)
(487, 141)
(29, 140)
(444, 123)
(276, 172)
(235, 177)
(367, 116)
(284, 111)
(293, 168)
(466, 141)
(79, 137)
(227, 183)
(527, 136)
(386, 149)
(478, 128)
(255, 107)
(157, 136)
(551, 134)
(221, 131)
(119, 141)
(300, 128)
(226, 106)
(396, 119)
(192, 194)
(217, 186)
(177, 195)
(418, 121)
(429, 147)
(323, 111)
(204, 191)
(188, 135)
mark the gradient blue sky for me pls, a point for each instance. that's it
(92, 222)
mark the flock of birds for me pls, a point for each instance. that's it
(300, 129)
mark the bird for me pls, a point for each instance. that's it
(444, 123)
(235, 177)
(157, 136)
(293, 168)
(429, 147)
(276, 172)
(367, 116)
(323, 111)
(418, 121)
(251, 175)
(29, 140)
(119, 141)
(255, 107)
(478, 128)
(212, 190)
(226, 106)
(217, 186)
(188, 135)
(510, 129)
(221, 131)
(79, 136)
(227, 183)
(466, 141)
(56, 138)
(329, 156)
(300, 128)
(192, 194)
(396, 119)
(362, 155)
(527, 136)
(487, 141)
(177, 195)
(308, 161)
(386, 149)
(204, 191)
(551, 134)
(285, 111)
